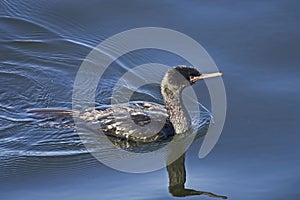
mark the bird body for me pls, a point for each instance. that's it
(122, 120)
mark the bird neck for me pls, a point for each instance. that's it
(179, 116)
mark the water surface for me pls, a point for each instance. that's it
(255, 44)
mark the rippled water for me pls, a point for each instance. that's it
(254, 43)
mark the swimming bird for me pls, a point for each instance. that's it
(171, 118)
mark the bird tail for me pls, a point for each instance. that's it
(50, 111)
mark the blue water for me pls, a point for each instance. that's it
(255, 43)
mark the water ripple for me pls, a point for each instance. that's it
(38, 64)
(20, 28)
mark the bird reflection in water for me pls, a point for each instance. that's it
(177, 179)
(176, 170)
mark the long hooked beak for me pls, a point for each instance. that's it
(203, 76)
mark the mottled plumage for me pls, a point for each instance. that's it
(126, 121)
